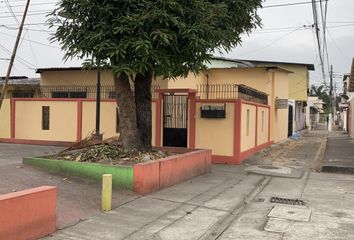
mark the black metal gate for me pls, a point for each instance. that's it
(175, 120)
(290, 121)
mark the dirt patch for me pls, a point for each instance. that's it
(111, 155)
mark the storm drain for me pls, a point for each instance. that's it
(289, 201)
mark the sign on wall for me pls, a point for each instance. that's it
(281, 103)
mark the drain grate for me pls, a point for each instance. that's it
(287, 201)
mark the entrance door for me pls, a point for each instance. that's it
(175, 120)
(290, 121)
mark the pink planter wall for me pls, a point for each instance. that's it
(152, 176)
(28, 214)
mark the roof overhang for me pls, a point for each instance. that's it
(310, 67)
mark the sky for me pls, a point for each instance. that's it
(282, 37)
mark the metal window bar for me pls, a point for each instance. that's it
(230, 91)
(107, 91)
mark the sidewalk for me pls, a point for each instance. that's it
(339, 155)
(230, 204)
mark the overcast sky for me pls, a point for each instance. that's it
(283, 37)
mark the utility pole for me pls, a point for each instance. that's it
(330, 116)
(12, 59)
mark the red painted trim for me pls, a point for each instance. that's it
(249, 152)
(256, 133)
(153, 100)
(219, 159)
(192, 119)
(36, 142)
(216, 100)
(237, 129)
(12, 118)
(176, 90)
(62, 99)
(158, 120)
(79, 121)
(48, 99)
(255, 104)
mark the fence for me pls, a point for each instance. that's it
(231, 91)
(107, 92)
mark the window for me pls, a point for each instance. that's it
(23, 93)
(248, 123)
(45, 117)
(112, 95)
(59, 94)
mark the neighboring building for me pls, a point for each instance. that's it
(297, 89)
(235, 109)
(346, 105)
(314, 109)
(21, 86)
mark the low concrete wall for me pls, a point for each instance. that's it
(152, 176)
(142, 177)
(122, 175)
(28, 214)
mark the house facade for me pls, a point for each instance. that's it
(346, 105)
(297, 90)
(231, 109)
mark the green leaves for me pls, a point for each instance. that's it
(167, 37)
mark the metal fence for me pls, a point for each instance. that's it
(231, 91)
(107, 92)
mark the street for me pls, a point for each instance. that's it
(228, 203)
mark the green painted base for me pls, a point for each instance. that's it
(122, 176)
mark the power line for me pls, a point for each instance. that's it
(289, 4)
(336, 45)
(273, 42)
(43, 44)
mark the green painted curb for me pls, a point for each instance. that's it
(122, 176)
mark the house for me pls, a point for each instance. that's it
(314, 109)
(297, 89)
(21, 86)
(346, 105)
(235, 109)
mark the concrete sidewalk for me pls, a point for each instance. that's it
(339, 156)
(230, 204)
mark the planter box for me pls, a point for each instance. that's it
(142, 177)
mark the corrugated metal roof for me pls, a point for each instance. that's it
(40, 70)
(21, 81)
(258, 62)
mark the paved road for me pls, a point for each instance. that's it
(77, 198)
(230, 204)
(339, 156)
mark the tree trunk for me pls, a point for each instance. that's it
(142, 88)
(128, 130)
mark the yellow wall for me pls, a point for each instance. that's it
(216, 134)
(75, 78)
(262, 129)
(63, 124)
(298, 81)
(5, 126)
(248, 127)
(153, 121)
(281, 115)
(107, 121)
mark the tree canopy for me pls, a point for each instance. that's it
(170, 37)
(140, 39)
